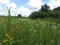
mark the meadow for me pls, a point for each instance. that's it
(25, 31)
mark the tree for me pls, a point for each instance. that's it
(44, 11)
(45, 8)
(19, 15)
(55, 9)
(37, 14)
(34, 15)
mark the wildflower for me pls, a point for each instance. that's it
(4, 41)
(31, 29)
(6, 35)
(11, 38)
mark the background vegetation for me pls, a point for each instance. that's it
(45, 12)
(42, 29)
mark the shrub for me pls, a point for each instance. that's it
(34, 15)
(19, 15)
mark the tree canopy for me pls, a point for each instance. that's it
(45, 12)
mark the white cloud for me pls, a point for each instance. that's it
(4, 1)
(24, 11)
(3, 13)
(35, 3)
(7, 3)
(54, 3)
(12, 5)
(32, 3)
(0, 8)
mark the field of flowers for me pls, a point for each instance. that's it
(18, 31)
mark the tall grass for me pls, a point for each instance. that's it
(29, 32)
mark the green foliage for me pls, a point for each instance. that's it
(42, 13)
(30, 32)
(56, 9)
(45, 8)
(19, 15)
(45, 12)
(34, 15)
(57, 12)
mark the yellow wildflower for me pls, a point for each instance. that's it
(11, 38)
(4, 41)
(6, 35)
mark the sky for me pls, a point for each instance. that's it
(25, 7)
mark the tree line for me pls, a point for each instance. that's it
(45, 12)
